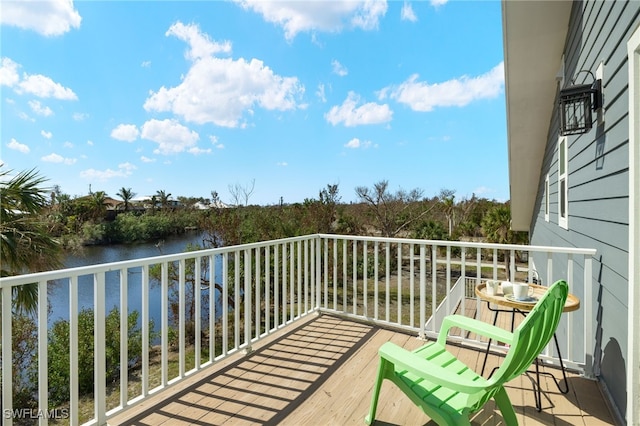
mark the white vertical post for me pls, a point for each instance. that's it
(100, 364)
(225, 303)
(145, 329)
(387, 264)
(292, 282)
(43, 359)
(276, 286)
(164, 323)
(236, 299)
(376, 282)
(399, 272)
(267, 289)
(335, 274)
(258, 281)
(212, 308)
(354, 273)
(423, 290)
(434, 286)
(124, 338)
(570, 318)
(181, 318)
(365, 293)
(447, 298)
(284, 284)
(345, 308)
(326, 273)
(299, 275)
(74, 418)
(7, 355)
(591, 365)
(412, 284)
(247, 299)
(197, 283)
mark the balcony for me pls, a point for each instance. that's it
(286, 331)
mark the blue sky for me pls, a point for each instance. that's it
(287, 97)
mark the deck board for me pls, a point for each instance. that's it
(322, 372)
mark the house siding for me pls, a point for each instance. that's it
(598, 182)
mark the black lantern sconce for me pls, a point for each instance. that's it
(576, 104)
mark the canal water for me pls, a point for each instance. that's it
(59, 291)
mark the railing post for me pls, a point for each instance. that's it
(591, 365)
(7, 356)
(73, 351)
(43, 360)
(100, 363)
(423, 291)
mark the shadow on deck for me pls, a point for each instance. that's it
(321, 372)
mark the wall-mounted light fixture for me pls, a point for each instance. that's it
(576, 104)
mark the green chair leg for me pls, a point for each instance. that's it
(504, 404)
(376, 393)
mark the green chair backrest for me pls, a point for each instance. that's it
(530, 337)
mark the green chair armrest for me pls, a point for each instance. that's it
(478, 327)
(434, 373)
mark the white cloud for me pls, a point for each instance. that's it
(171, 136)
(125, 132)
(147, 159)
(46, 135)
(67, 144)
(124, 170)
(320, 93)
(351, 115)
(326, 16)
(79, 116)
(40, 109)
(34, 84)
(145, 64)
(43, 87)
(438, 3)
(17, 146)
(356, 143)
(46, 17)
(90, 142)
(407, 13)
(197, 151)
(282, 164)
(200, 45)
(56, 158)
(220, 91)
(8, 72)
(421, 96)
(338, 68)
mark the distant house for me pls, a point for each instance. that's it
(217, 205)
(582, 189)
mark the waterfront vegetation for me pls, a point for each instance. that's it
(38, 224)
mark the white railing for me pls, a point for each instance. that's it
(217, 302)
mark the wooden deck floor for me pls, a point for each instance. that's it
(322, 372)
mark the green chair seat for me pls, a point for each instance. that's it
(446, 389)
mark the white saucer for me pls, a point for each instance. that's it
(528, 300)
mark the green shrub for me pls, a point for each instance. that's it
(59, 379)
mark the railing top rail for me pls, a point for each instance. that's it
(133, 263)
(113, 266)
(470, 244)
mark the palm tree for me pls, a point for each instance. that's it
(127, 195)
(25, 243)
(98, 204)
(163, 198)
(496, 226)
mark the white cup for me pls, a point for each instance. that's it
(507, 288)
(522, 291)
(492, 287)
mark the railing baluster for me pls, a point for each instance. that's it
(365, 267)
(355, 276)
(375, 281)
(43, 359)
(326, 274)
(181, 318)
(236, 299)
(434, 283)
(164, 319)
(387, 281)
(463, 274)
(284, 284)
(197, 283)
(412, 283)
(258, 282)
(7, 354)
(267, 289)
(423, 290)
(591, 364)
(276, 287)
(100, 364)
(292, 299)
(448, 299)
(212, 307)
(306, 275)
(399, 269)
(247, 299)
(299, 275)
(124, 337)
(145, 330)
(225, 303)
(345, 307)
(570, 318)
(335, 274)
(73, 351)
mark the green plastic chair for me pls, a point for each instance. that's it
(446, 389)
